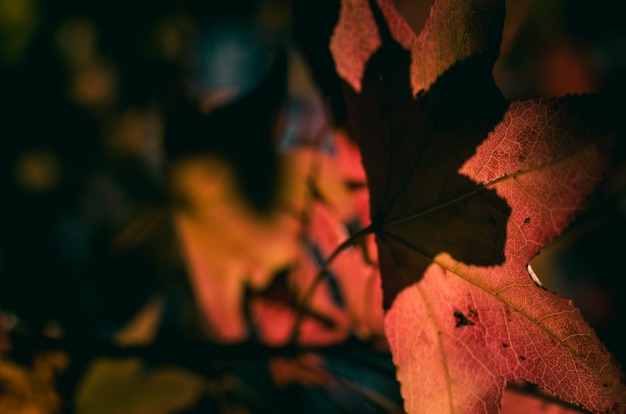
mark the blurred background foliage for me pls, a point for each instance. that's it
(104, 106)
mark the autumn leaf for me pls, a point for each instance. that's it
(231, 250)
(128, 386)
(465, 189)
(455, 31)
(522, 398)
(31, 389)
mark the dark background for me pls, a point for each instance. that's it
(83, 85)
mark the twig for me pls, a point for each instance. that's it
(321, 275)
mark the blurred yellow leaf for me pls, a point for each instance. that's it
(127, 387)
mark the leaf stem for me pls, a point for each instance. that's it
(321, 275)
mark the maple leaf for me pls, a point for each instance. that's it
(465, 189)
(454, 31)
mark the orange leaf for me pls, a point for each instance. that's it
(465, 189)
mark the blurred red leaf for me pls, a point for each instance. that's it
(465, 189)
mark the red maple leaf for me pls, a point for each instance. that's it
(465, 189)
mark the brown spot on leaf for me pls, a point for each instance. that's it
(522, 358)
(527, 220)
(505, 345)
(461, 320)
